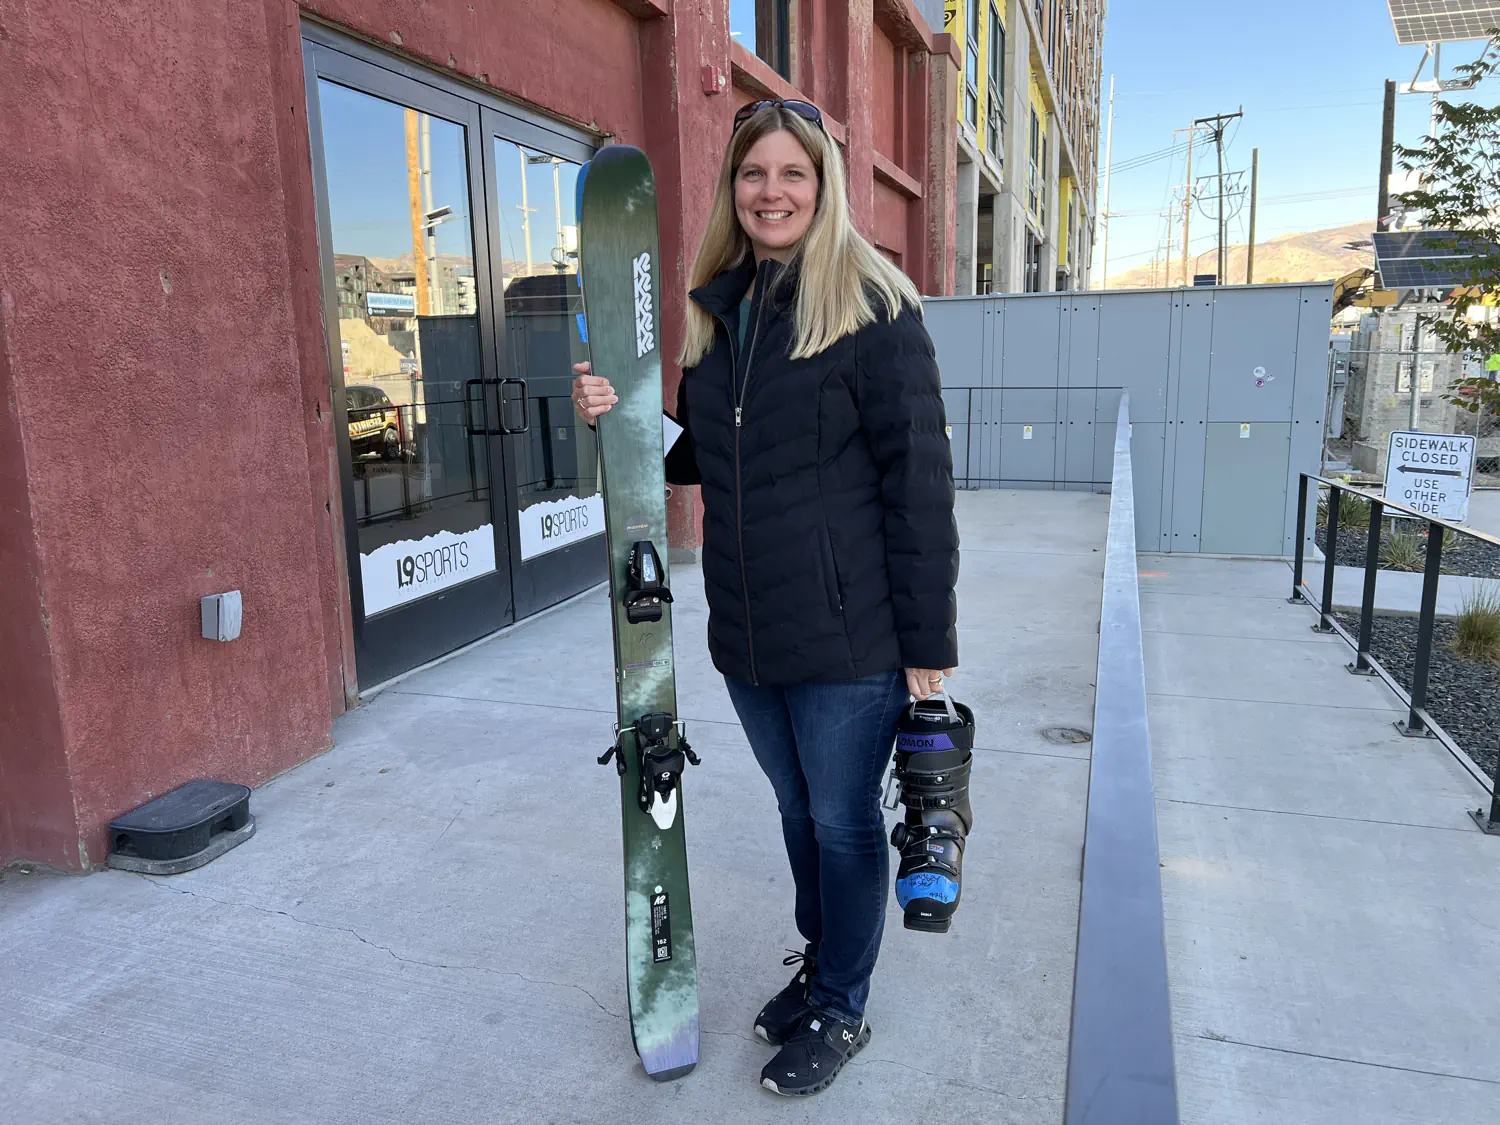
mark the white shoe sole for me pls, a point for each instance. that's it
(859, 1045)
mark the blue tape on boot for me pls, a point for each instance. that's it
(926, 884)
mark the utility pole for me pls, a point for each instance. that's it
(414, 192)
(1387, 148)
(1166, 262)
(1254, 186)
(1416, 382)
(1109, 144)
(1187, 203)
(1218, 122)
(526, 209)
(429, 232)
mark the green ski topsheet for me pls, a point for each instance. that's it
(620, 277)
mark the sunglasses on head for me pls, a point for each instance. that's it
(805, 110)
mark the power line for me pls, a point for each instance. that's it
(1217, 123)
(1148, 158)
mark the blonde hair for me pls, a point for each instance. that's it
(838, 270)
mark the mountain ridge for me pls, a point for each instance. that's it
(1317, 255)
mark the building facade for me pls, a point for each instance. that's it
(345, 233)
(1377, 399)
(1028, 136)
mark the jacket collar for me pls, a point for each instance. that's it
(728, 289)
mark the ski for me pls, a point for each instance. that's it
(620, 333)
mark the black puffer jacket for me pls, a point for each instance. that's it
(830, 550)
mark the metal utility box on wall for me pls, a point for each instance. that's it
(1227, 388)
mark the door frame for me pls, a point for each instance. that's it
(408, 636)
(550, 578)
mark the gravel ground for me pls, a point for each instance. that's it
(1462, 695)
(1466, 555)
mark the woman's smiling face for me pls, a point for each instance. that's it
(776, 195)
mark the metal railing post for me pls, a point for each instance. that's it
(1418, 722)
(1301, 550)
(1361, 665)
(1415, 726)
(1330, 560)
(1490, 826)
(969, 441)
(401, 463)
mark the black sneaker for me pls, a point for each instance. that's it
(814, 1055)
(783, 1013)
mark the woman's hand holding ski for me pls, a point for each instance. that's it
(592, 394)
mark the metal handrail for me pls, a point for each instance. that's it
(1121, 1069)
(968, 479)
(1418, 723)
(1345, 486)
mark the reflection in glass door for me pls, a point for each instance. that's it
(428, 568)
(558, 512)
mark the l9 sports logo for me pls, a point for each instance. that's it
(415, 570)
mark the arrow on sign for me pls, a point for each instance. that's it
(1429, 472)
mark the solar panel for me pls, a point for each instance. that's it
(1443, 21)
(1427, 259)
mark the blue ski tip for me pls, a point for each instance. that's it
(676, 1056)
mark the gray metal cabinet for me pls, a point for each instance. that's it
(1199, 364)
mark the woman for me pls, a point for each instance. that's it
(813, 420)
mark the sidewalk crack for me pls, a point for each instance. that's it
(1215, 1037)
(968, 1085)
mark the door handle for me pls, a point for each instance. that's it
(525, 425)
(474, 431)
(502, 430)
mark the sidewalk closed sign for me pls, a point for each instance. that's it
(1431, 473)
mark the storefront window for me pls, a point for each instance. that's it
(764, 28)
(557, 485)
(408, 334)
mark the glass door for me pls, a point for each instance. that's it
(398, 168)
(554, 507)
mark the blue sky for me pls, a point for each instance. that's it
(1310, 76)
(364, 141)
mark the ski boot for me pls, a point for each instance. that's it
(930, 776)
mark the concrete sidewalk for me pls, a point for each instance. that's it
(1330, 909)
(1396, 591)
(427, 925)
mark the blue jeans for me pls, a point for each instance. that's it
(825, 746)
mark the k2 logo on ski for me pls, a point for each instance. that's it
(645, 335)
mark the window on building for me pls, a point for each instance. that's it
(971, 66)
(764, 28)
(1072, 232)
(1032, 283)
(996, 113)
(1034, 154)
(1042, 210)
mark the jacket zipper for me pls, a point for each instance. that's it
(739, 500)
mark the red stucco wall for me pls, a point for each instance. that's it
(35, 804)
(579, 59)
(156, 387)
(890, 219)
(166, 429)
(885, 70)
